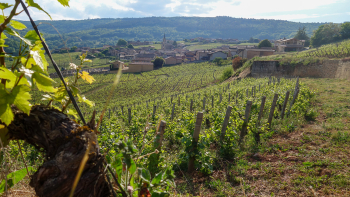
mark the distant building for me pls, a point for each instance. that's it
(173, 60)
(250, 53)
(214, 55)
(167, 44)
(117, 65)
(287, 45)
(136, 67)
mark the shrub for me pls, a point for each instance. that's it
(226, 74)
(238, 62)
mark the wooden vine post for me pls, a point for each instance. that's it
(284, 104)
(272, 110)
(261, 112)
(157, 145)
(191, 105)
(129, 115)
(225, 123)
(193, 151)
(172, 112)
(246, 119)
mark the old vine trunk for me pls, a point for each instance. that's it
(65, 143)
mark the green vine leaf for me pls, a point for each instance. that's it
(4, 6)
(2, 43)
(3, 136)
(35, 5)
(43, 82)
(2, 19)
(13, 178)
(14, 33)
(7, 74)
(82, 99)
(19, 96)
(17, 25)
(64, 2)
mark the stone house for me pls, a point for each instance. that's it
(136, 67)
(173, 60)
(250, 53)
(117, 65)
(287, 45)
(214, 55)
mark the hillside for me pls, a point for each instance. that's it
(98, 32)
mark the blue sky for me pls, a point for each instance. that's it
(336, 11)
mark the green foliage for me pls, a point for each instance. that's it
(217, 60)
(302, 35)
(122, 42)
(326, 34)
(130, 46)
(13, 178)
(226, 74)
(265, 43)
(158, 62)
(106, 31)
(345, 30)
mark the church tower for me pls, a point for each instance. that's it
(163, 43)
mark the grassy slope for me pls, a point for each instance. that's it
(309, 160)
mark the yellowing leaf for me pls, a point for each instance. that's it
(17, 25)
(85, 75)
(64, 2)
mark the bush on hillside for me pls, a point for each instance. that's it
(228, 72)
(238, 62)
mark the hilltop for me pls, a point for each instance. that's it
(105, 31)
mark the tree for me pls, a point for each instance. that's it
(122, 42)
(175, 43)
(158, 62)
(73, 48)
(302, 35)
(265, 43)
(217, 60)
(130, 46)
(345, 30)
(325, 34)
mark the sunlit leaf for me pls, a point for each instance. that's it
(32, 35)
(43, 82)
(14, 33)
(37, 58)
(47, 97)
(2, 19)
(72, 112)
(35, 5)
(17, 25)
(64, 2)
(82, 99)
(85, 75)
(27, 74)
(13, 178)
(22, 81)
(7, 74)
(4, 6)
(19, 96)
(2, 43)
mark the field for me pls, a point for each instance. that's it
(197, 46)
(156, 46)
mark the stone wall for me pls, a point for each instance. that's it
(324, 69)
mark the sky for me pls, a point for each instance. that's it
(336, 11)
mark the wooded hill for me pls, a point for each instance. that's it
(98, 32)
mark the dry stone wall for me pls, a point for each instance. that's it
(324, 69)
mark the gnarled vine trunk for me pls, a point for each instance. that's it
(65, 143)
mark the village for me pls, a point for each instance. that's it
(140, 57)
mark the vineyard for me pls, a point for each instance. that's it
(334, 51)
(139, 88)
